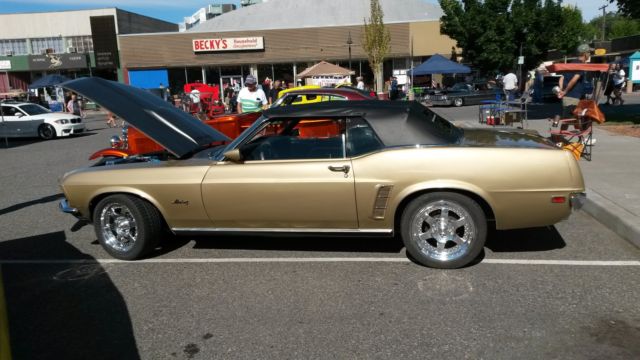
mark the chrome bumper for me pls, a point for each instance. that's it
(577, 200)
(65, 208)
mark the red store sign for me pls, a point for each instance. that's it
(228, 44)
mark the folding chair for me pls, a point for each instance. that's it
(579, 139)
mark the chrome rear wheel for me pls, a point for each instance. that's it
(443, 229)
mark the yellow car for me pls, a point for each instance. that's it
(303, 99)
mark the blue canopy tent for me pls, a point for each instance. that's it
(48, 80)
(438, 64)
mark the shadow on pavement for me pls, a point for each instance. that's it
(63, 311)
(318, 244)
(42, 200)
(14, 143)
(525, 240)
(18, 142)
(544, 111)
(624, 113)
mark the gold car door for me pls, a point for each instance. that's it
(293, 178)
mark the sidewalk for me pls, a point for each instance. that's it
(612, 178)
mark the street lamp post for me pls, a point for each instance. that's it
(349, 43)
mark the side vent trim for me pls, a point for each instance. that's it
(381, 202)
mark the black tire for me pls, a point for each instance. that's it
(457, 102)
(46, 132)
(146, 219)
(428, 252)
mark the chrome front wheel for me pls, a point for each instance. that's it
(443, 230)
(127, 227)
(119, 227)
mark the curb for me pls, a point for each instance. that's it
(611, 215)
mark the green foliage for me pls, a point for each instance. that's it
(490, 32)
(616, 26)
(628, 8)
(376, 40)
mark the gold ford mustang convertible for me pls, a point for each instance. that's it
(371, 168)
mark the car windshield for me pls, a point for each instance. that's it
(459, 86)
(33, 109)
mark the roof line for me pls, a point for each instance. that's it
(272, 29)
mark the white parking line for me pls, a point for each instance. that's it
(313, 260)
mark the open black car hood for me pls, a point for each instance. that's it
(177, 131)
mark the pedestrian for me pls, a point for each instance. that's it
(228, 95)
(111, 120)
(164, 92)
(74, 106)
(393, 88)
(275, 90)
(250, 98)
(360, 81)
(510, 85)
(573, 85)
(195, 101)
(618, 82)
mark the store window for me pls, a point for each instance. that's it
(39, 45)
(13, 47)
(81, 44)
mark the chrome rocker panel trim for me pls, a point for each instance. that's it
(284, 231)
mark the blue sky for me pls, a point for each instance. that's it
(175, 10)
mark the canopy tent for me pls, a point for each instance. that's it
(48, 80)
(324, 68)
(326, 74)
(438, 64)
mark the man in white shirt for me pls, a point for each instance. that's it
(360, 83)
(250, 98)
(510, 85)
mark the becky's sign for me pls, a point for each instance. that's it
(228, 44)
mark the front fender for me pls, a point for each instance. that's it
(110, 152)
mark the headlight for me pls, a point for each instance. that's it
(62, 121)
(444, 97)
(115, 141)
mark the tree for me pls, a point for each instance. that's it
(492, 33)
(628, 8)
(616, 26)
(376, 41)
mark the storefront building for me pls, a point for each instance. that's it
(279, 39)
(71, 43)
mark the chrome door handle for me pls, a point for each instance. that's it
(345, 169)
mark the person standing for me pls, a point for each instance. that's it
(573, 85)
(510, 85)
(360, 81)
(250, 98)
(618, 83)
(393, 88)
(228, 95)
(74, 106)
(273, 93)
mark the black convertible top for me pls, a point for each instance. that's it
(397, 123)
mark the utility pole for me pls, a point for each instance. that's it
(349, 42)
(604, 18)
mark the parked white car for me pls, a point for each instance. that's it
(32, 120)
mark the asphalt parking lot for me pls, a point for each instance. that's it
(568, 291)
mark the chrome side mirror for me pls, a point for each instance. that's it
(19, 114)
(233, 156)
